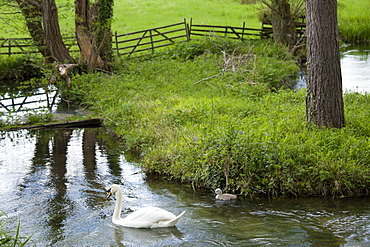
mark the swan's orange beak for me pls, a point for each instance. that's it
(109, 193)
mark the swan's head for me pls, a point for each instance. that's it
(218, 191)
(113, 189)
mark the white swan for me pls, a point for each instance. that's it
(224, 197)
(149, 217)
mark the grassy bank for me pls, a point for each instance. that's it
(235, 130)
(354, 20)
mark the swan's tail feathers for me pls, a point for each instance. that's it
(167, 223)
(174, 220)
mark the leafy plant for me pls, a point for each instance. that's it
(19, 68)
(9, 238)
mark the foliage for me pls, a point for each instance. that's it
(10, 238)
(297, 9)
(19, 68)
(232, 130)
(38, 117)
(241, 59)
(354, 22)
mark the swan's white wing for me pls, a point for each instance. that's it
(148, 217)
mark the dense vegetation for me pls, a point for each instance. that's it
(239, 130)
(222, 113)
(353, 21)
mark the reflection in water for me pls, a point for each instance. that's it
(56, 180)
(355, 66)
(59, 203)
(147, 237)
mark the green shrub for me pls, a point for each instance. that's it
(19, 68)
(38, 117)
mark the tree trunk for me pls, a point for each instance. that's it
(84, 37)
(53, 37)
(31, 11)
(103, 11)
(324, 102)
(282, 22)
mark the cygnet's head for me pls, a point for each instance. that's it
(113, 189)
(218, 191)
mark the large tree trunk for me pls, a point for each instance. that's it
(53, 36)
(324, 96)
(103, 11)
(282, 22)
(84, 37)
(31, 11)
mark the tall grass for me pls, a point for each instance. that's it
(8, 237)
(354, 20)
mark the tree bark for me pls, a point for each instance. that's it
(84, 37)
(324, 102)
(103, 11)
(53, 37)
(31, 11)
(283, 25)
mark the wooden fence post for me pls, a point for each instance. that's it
(190, 27)
(9, 48)
(243, 30)
(187, 31)
(116, 40)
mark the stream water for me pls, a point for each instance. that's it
(54, 181)
(355, 66)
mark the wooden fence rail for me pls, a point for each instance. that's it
(151, 39)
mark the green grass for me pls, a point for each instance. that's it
(354, 20)
(8, 237)
(230, 130)
(233, 125)
(131, 15)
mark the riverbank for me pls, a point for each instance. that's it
(212, 124)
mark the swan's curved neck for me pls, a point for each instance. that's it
(118, 207)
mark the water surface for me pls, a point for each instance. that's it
(55, 181)
(355, 66)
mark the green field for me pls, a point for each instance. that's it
(136, 15)
(131, 15)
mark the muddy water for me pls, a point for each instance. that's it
(55, 182)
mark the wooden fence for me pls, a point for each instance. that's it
(154, 38)
(150, 39)
(300, 24)
(14, 46)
